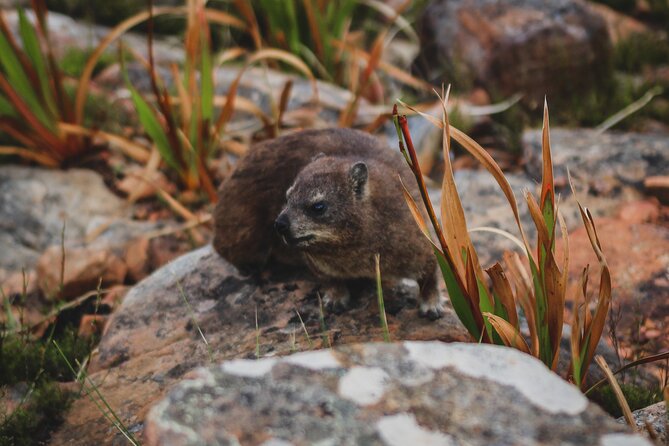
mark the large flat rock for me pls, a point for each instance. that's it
(411, 393)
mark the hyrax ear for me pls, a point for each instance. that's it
(317, 156)
(358, 174)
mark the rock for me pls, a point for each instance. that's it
(383, 394)
(35, 203)
(619, 26)
(66, 33)
(642, 211)
(638, 257)
(607, 168)
(659, 187)
(559, 48)
(151, 340)
(84, 268)
(656, 416)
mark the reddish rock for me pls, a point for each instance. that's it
(92, 324)
(642, 211)
(619, 26)
(84, 267)
(559, 48)
(637, 255)
(658, 186)
(114, 296)
(136, 258)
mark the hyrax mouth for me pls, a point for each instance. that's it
(297, 241)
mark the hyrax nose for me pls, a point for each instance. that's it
(281, 224)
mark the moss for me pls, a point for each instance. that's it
(112, 13)
(639, 50)
(33, 423)
(27, 360)
(36, 364)
(637, 397)
(619, 5)
(73, 62)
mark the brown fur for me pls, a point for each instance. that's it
(359, 223)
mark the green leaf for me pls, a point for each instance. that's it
(32, 48)
(457, 296)
(486, 307)
(6, 108)
(207, 76)
(19, 80)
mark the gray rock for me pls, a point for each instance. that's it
(607, 168)
(383, 394)
(560, 48)
(65, 32)
(656, 416)
(34, 203)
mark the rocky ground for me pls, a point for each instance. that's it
(194, 352)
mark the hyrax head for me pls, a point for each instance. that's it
(324, 204)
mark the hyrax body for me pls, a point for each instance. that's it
(328, 199)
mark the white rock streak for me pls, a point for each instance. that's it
(363, 385)
(504, 366)
(315, 360)
(623, 440)
(403, 430)
(248, 367)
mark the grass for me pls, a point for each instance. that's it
(637, 397)
(382, 307)
(33, 101)
(488, 308)
(36, 365)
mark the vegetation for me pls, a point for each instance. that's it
(33, 100)
(488, 309)
(34, 368)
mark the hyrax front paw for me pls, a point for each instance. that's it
(432, 308)
(336, 298)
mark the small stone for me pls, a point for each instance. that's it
(92, 324)
(84, 268)
(137, 258)
(658, 186)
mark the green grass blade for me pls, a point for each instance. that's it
(6, 108)
(485, 304)
(148, 119)
(32, 48)
(382, 306)
(207, 76)
(19, 80)
(458, 299)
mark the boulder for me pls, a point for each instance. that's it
(383, 394)
(36, 203)
(607, 168)
(656, 416)
(560, 48)
(198, 309)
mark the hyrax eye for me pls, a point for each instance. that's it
(318, 208)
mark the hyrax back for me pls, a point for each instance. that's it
(329, 199)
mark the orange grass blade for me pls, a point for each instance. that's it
(120, 29)
(509, 334)
(502, 289)
(270, 53)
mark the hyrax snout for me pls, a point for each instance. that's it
(329, 200)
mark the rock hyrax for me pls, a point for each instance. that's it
(328, 199)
